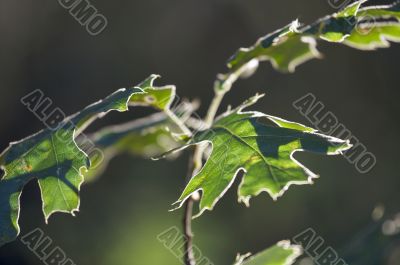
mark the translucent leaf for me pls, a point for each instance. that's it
(281, 254)
(260, 145)
(53, 157)
(146, 137)
(362, 28)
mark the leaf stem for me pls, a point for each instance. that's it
(214, 106)
(178, 122)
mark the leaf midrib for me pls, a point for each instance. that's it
(255, 150)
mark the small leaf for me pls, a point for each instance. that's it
(285, 48)
(281, 254)
(156, 97)
(260, 145)
(374, 35)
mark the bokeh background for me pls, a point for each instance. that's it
(188, 43)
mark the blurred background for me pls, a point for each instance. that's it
(188, 43)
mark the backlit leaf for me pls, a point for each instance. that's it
(260, 145)
(53, 158)
(146, 137)
(364, 28)
(281, 254)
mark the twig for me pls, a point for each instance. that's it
(178, 122)
(195, 164)
(187, 219)
(187, 224)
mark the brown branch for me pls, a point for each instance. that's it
(187, 226)
(187, 219)
(195, 164)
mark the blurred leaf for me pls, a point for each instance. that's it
(281, 254)
(370, 36)
(147, 137)
(375, 244)
(243, 141)
(53, 157)
(384, 11)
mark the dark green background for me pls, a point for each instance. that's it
(188, 42)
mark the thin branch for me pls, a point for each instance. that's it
(196, 162)
(187, 224)
(187, 219)
(214, 106)
(178, 122)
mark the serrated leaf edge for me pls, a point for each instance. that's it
(75, 134)
(246, 199)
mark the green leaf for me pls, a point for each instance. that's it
(260, 145)
(374, 35)
(383, 11)
(157, 97)
(281, 254)
(362, 28)
(54, 158)
(285, 48)
(375, 27)
(147, 137)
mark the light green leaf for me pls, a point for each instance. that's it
(281, 254)
(362, 28)
(350, 10)
(260, 145)
(285, 48)
(383, 11)
(157, 97)
(54, 158)
(374, 35)
(147, 137)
